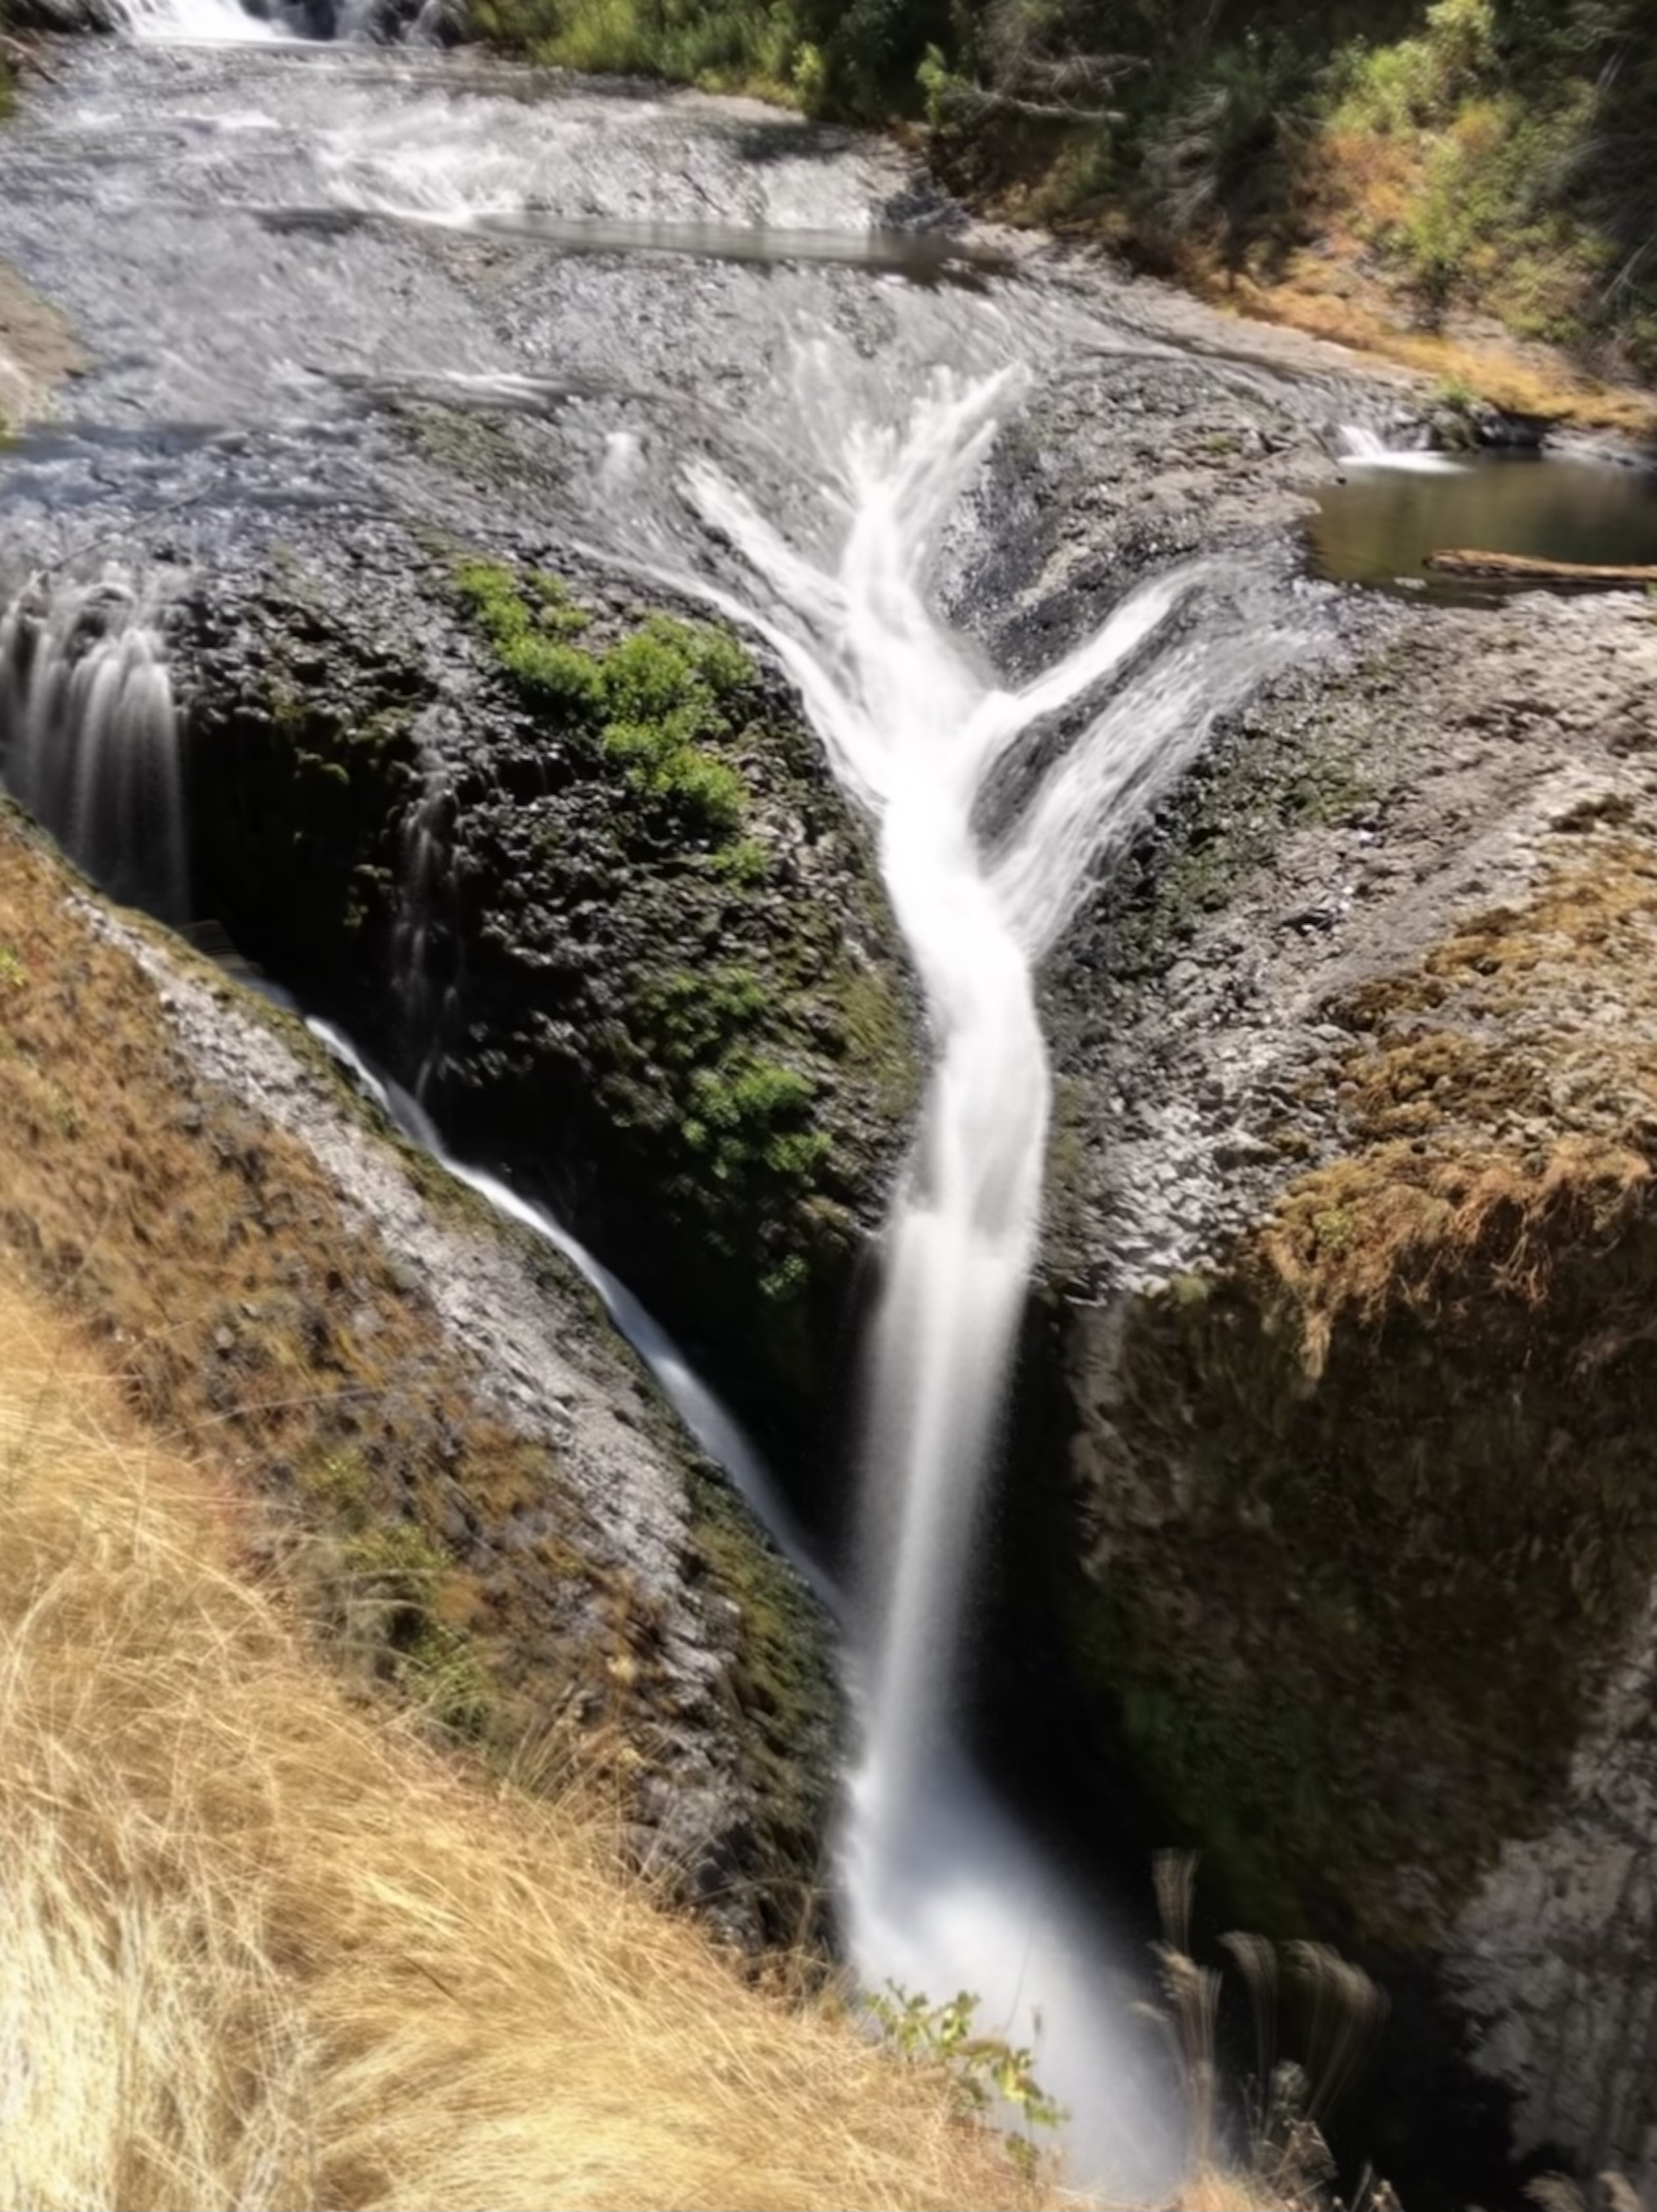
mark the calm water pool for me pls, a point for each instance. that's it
(1378, 525)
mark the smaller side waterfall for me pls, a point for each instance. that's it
(1362, 448)
(705, 1418)
(89, 739)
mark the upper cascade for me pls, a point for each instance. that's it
(262, 22)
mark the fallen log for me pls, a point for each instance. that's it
(1523, 570)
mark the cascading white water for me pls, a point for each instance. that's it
(943, 1892)
(215, 22)
(89, 740)
(704, 1416)
(1365, 448)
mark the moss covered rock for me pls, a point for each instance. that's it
(1373, 1499)
(572, 866)
(484, 1509)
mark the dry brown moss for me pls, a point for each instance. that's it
(1498, 1113)
(1378, 1500)
(252, 1322)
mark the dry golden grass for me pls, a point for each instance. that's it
(261, 1945)
(258, 1950)
(1497, 1111)
(264, 1327)
(1328, 299)
(1217, 2188)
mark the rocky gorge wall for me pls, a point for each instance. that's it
(1349, 1180)
(569, 864)
(1363, 1469)
(495, 1518)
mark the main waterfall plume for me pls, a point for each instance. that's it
(941, 1890)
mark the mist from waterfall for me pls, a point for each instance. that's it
(89, 739)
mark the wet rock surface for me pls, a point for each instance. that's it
(687, 1030)
(1363, 1398)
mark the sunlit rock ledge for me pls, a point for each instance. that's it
(496, 1518)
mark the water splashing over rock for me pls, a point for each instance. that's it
(941, 1889)
(89, 739)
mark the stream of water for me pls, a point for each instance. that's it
(812, 484)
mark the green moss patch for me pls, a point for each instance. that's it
(689, 965)
(658, 703)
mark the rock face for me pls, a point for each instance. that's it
(483, 1495)
(64, 16)
(1364, 1463)
(597, 898)
(1553, 1956)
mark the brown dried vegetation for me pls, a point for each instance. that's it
(445, 1554)
(1406, 1426)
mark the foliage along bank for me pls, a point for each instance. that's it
(1359, 166)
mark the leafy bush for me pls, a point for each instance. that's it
(1418, 80)
(730, 42)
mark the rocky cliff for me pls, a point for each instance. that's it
(495, 1515)
(569, 861)
(1362, 1469)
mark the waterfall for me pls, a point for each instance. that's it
(941, 1891)
(204, 21)
(1364, 448)
(705, 1417)
(228, 22)
(90, 738)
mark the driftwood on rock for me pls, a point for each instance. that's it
(1525, 569)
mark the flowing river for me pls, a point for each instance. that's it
(768, 367)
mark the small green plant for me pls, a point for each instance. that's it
(746, 863)
(400, 1577)
(938, 82)
(987, 2070)
(809, 77)
(1455, 394)
(558, 612)
(748, 1113)
(14, 976)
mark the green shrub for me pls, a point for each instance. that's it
(1418, 80)
(748, 1113)
(727, 43)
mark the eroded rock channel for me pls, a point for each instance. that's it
(1331, 1548)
